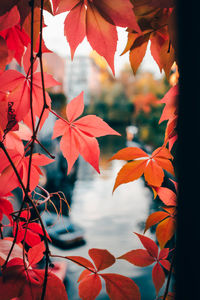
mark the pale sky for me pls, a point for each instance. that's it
(56, 41)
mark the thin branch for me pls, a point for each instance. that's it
(169, 278)
(73, 260)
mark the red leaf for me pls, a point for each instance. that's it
(18, 286)
(84, 274)
(16, 39)
(78, 137)
(75, 108)
(163, 253)
(101, 35)
(88, 148)
(75, 27)
(9, 19)
(90, 287)
(19, 87)
(121, 287)
(102, 258)
(119, 13)
(166, 264)
(158, 276)
(94, 126)
(81, 261)
(6, 208)
(149, 244)
(3, 54)
(9, 179)
(36, 253)
(139, 257)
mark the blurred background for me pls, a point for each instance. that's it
(98, 218)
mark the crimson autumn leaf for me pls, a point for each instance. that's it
(16, 39)
(30, 232)
(121, 287)
(117, 286)
(78, 136)
(147, 256)
(151, 166)
(27, 284)
(18, 86)
(9, 180)
(6, 207)
(97, 20)
(36, 253)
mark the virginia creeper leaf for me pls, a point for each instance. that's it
(78, 136)
(121, 287)
(102, 258)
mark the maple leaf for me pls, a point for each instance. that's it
(147, 256)
(6, 207)
(117, 286)
(151, 166)
(19, 87)
(97, 20)
(78, 136)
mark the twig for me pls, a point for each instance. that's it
(169, 278)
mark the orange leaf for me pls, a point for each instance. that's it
(121, 287)
(129, 153)
(167, 196)
(155, 218)
(102, 258)
(165, 231)
(138, 50)
(130, 171)
(153, 173)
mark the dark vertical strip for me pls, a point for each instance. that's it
(188, 158)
